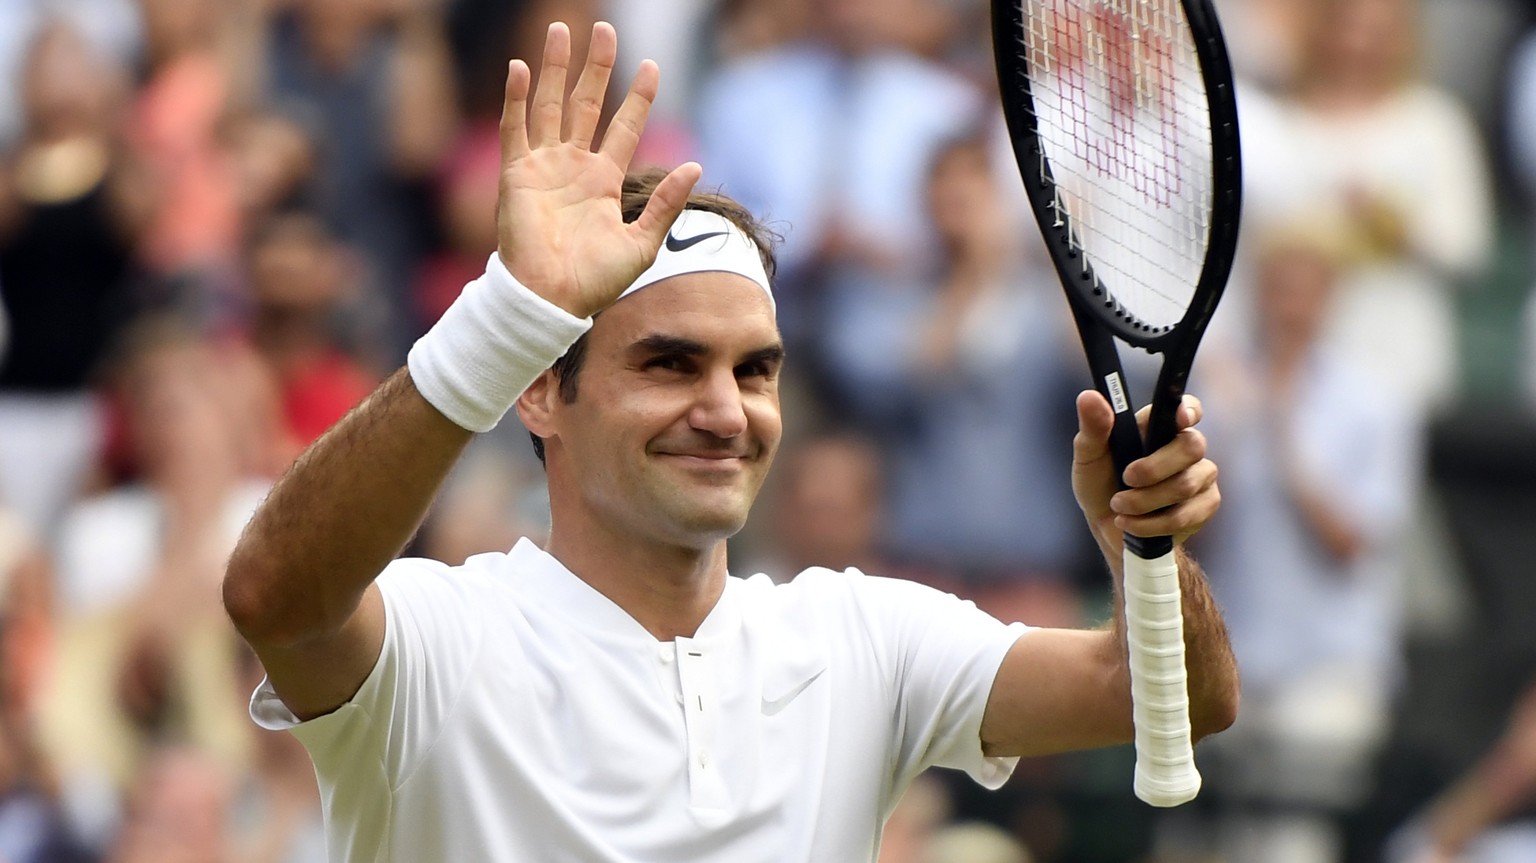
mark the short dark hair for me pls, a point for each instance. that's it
(638, 187)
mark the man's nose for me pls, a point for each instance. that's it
(717, 406)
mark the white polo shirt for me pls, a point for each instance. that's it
(516, 714)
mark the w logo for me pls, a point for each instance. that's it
(1114, 65)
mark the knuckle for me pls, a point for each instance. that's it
(1188, 484)
(1194, 442)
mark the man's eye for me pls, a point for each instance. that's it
(673, 364)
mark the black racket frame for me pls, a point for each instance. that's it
(1099, 318)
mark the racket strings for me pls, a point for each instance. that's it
(1120, 111)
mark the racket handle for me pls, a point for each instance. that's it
(1154, 620)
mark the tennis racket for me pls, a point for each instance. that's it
(1124, 124)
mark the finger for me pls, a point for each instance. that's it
(666, 203)
(514, 113)
(1183, 486)
(586, 106)
(1094, 421)
(629, 122)
(1186, 448)
(1178, 521)
(1191, 411)
(544, 122)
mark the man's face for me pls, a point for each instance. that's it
(676, 418)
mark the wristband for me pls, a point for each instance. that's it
(495, 339)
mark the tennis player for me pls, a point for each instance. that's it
(616, 695)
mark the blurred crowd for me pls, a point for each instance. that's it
(222, 222)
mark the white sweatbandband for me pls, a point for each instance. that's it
(498, 336)
(495, 339)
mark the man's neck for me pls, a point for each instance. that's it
(668, 589)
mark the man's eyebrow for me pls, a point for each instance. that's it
(662, 344)
(677, 346)
(772, 355)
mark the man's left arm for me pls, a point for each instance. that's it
(1060, 689)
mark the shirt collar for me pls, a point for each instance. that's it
(548, 583)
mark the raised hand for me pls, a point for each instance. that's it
(559, 227)
(1172, 492)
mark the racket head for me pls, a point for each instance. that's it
(1123, 121)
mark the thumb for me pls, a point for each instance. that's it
(1094, 421)
(666, 202)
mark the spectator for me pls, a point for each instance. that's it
(828, 505)
(1473, 821)
(830, 136)
(483, 34)
(1320, 476)
(490, 500)
(1402, 162)
(1261, 37)
(273, 157)
(377, 78)
(971, 384)
(71, 207)
(274, 812)
(747, 27)
(32, 827)
(301, 279)
(145, 654)
(176, 124)
(677, 35)
(111, 27)
(177, 813)
(467, 212)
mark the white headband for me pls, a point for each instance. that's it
(705, 242)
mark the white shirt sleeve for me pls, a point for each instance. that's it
(432, 636)
(944, 654)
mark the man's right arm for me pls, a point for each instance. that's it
(299, 586)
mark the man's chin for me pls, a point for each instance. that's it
(703, 529)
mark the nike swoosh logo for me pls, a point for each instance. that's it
(676, 245)
(773, 706)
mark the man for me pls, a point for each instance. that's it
(615, 695)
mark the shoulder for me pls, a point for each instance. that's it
(1433, 109)
(850, 589)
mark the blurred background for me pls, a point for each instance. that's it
(222, 222)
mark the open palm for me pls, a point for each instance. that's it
(559, 225)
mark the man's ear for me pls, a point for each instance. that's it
(536, 406)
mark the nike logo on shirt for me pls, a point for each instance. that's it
(772, 706)
(676, 245)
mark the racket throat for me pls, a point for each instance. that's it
(1148, 547)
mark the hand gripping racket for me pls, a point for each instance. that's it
(1124, 124)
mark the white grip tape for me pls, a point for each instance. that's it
(1165, 758)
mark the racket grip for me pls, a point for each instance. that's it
(1154, 620)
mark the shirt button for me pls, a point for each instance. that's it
(703, 757)
(665, 656)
